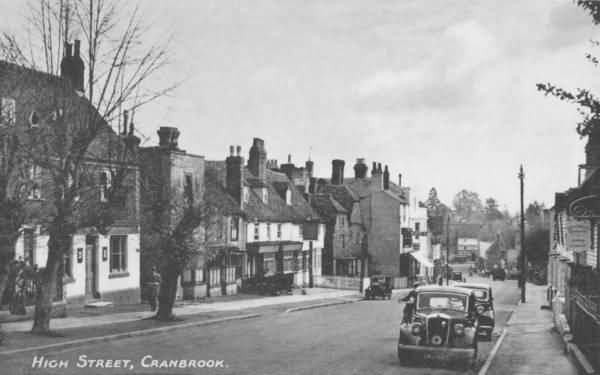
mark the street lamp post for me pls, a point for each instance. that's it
(523, 278)
(447, 249)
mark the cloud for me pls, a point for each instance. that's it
(442, 81)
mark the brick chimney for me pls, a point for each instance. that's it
(288, 168)
(72, 67)
(360, 169)
(257, 161)
(376, 177)
(310, 167)
(168, 137)
(386, 179)
(234, 173)
(337, 172)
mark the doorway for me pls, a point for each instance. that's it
(91, 267)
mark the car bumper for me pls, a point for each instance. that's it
(437, 353)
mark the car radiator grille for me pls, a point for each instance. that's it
(437, 331)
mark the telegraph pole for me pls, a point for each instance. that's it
(523, 277)
(447, 271)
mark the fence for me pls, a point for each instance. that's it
(585, 325)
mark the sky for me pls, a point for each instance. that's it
(442, 91)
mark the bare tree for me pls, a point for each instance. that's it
(120, 68)
(177, 228)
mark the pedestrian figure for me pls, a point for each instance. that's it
(441, 280)
(410, 300)
(18, 300)
(155, 281)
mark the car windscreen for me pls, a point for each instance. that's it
(441, 300)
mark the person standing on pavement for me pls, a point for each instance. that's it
(410, 300)
(154, 284)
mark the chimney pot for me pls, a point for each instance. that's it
(337, 171)
(374, 170)
(289, 158)
(230, 150)
(378, 167)
(168, 137)
(400, 179)
(68, 49)
(386, 179)
(360, 168)
(239, 150)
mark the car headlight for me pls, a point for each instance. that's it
(416, 329)
(459, 329)
(480, 309)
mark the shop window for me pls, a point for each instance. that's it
(278, 231)
(268, 231)
(256, 234)
(288, 261)
(118, 253)
(269, 265)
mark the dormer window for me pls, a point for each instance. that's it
(105, 184)
(8, 111)
(34, 120)
(246, 194)
(265, 195)
(34, 176)
(288, 197)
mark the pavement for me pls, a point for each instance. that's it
(530, 344)
(313, 295)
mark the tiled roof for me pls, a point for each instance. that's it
(215, 192)
(276, 209)
(340, 193)
(326, 206)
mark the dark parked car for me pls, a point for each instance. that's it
(485, 308)
(442, 325)
(457, 276)
(381, 286)
(498, 274)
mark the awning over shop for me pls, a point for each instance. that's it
(419, 257)
(262, 247)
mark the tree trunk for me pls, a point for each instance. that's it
(168, 292)
(47, 289)
(7, 255)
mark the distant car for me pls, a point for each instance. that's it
(442, 325)
(484, 306)
(381, 286)
(498, 274)
(457, 276)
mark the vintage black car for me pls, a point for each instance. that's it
(485, 307)
(498, 274)
(457, 276)
(380, 286)
(442, 326)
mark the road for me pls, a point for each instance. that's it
(358, 338)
